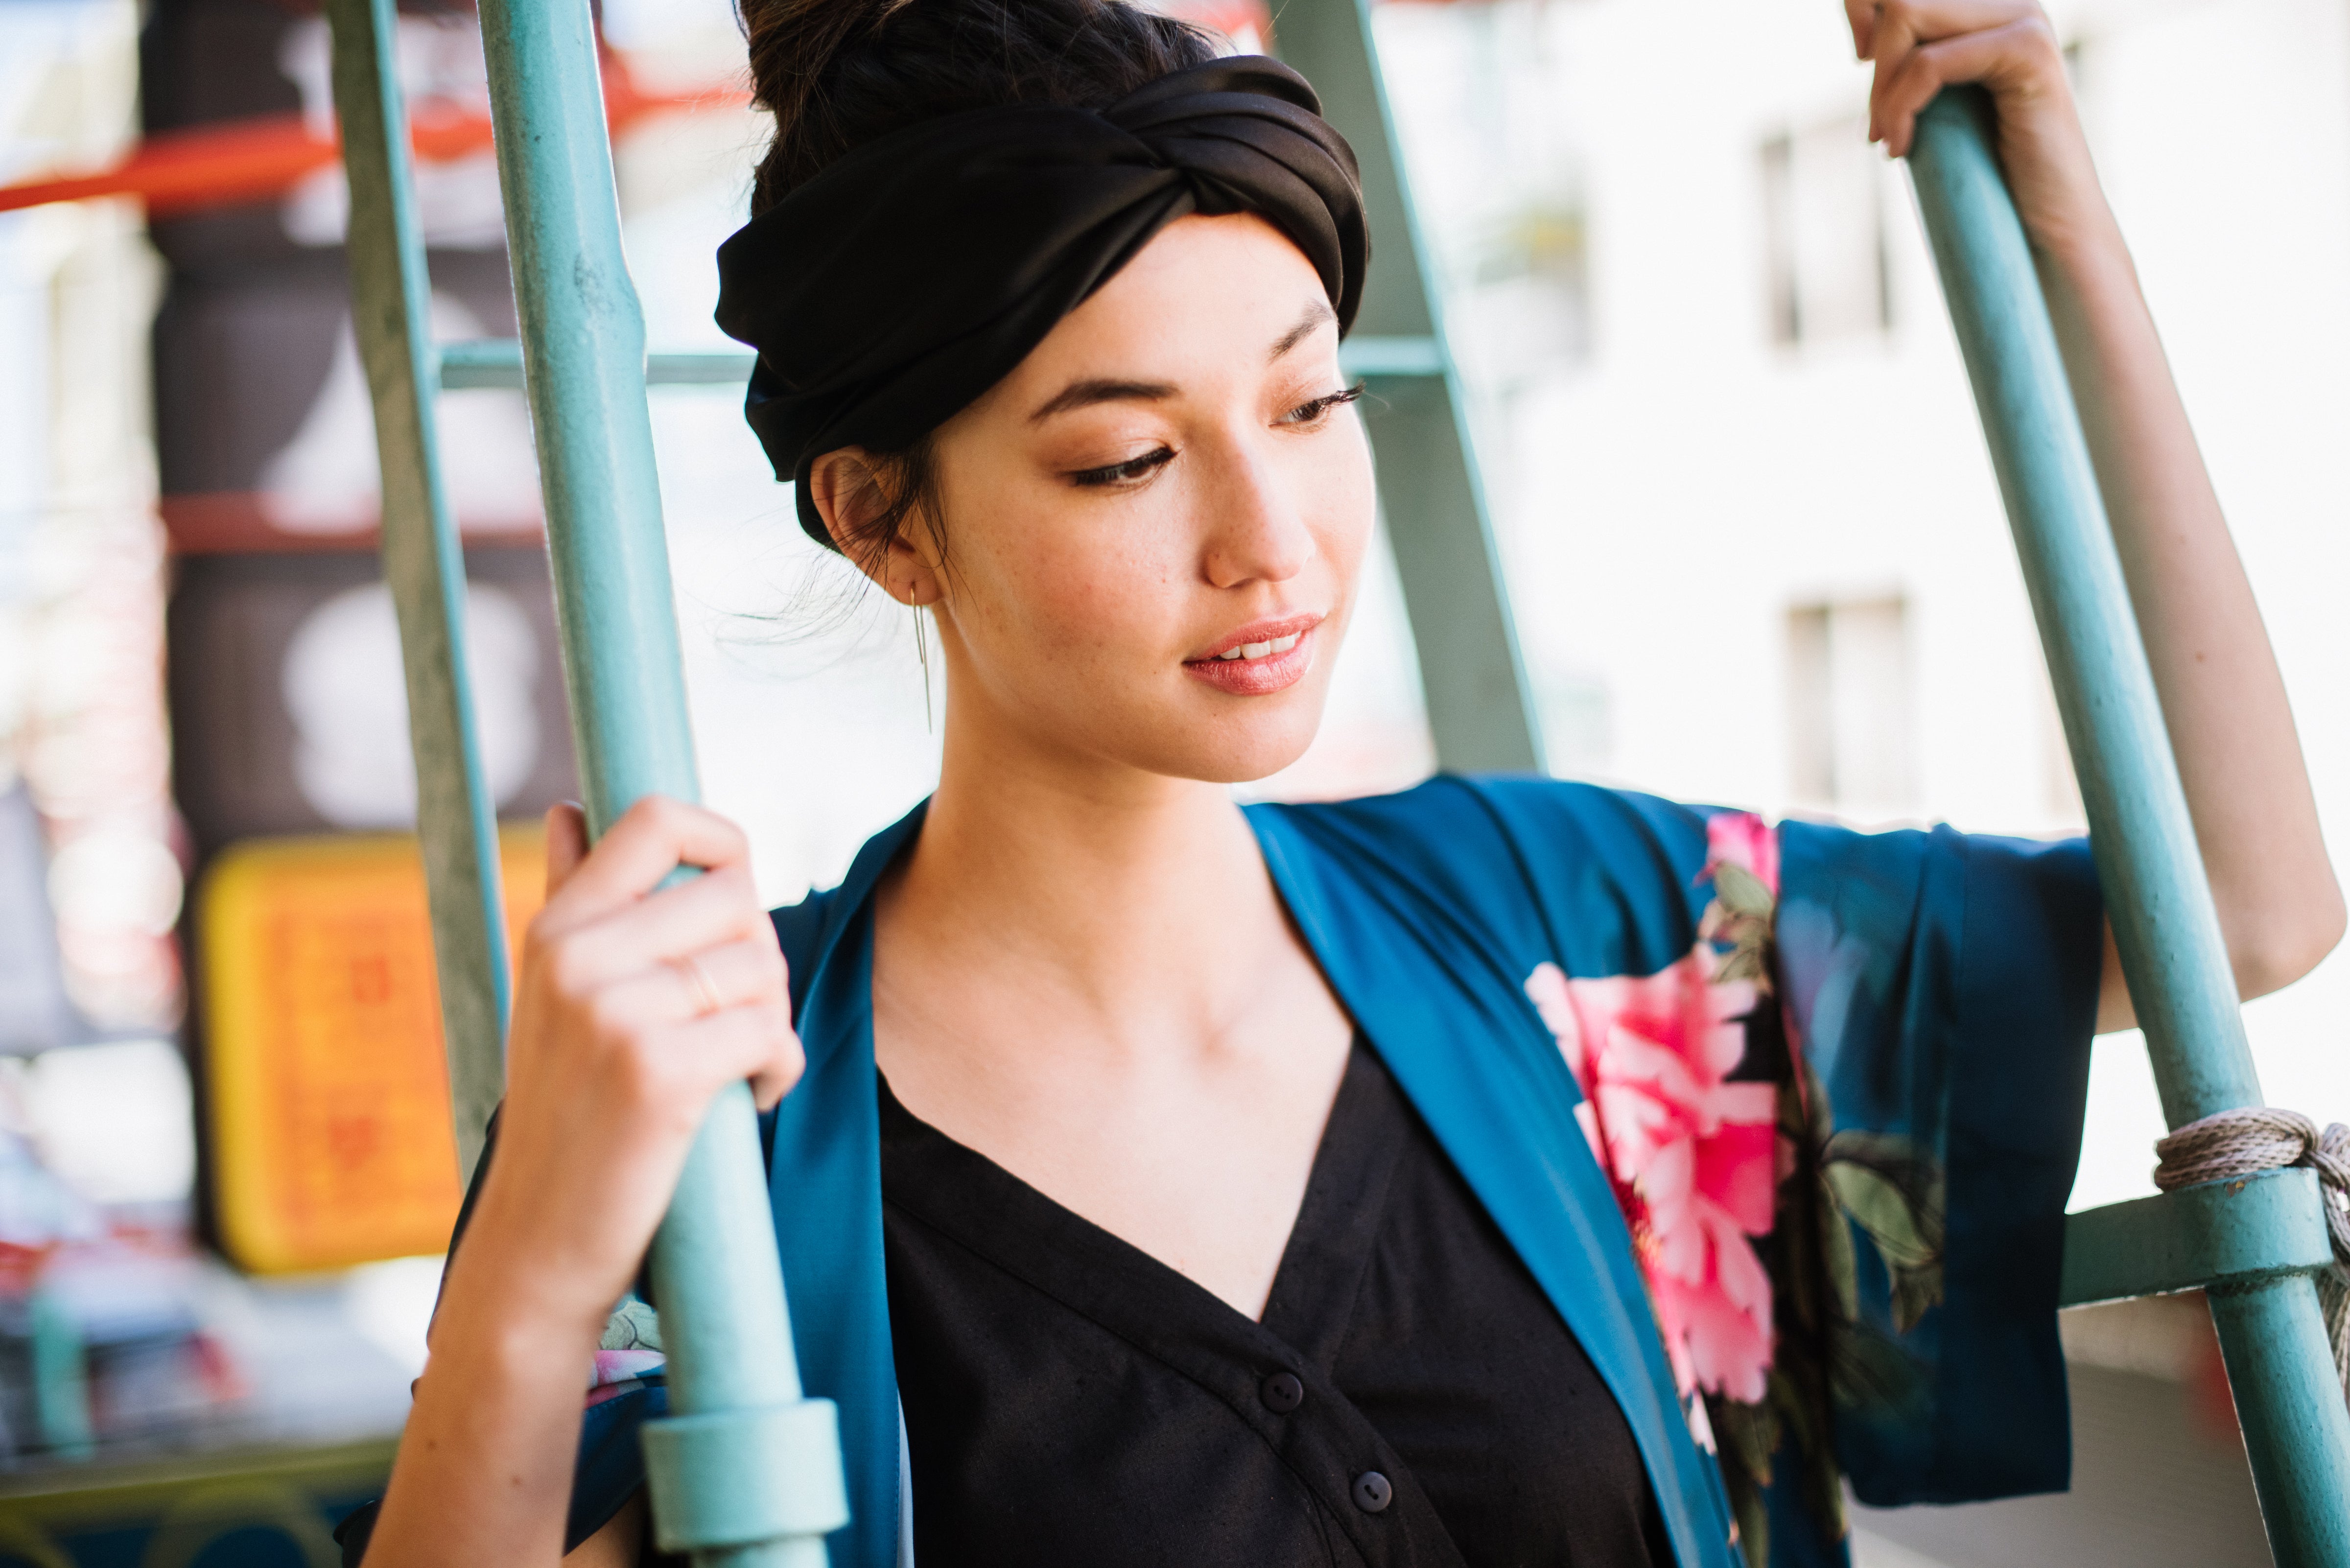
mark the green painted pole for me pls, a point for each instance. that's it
(2288, 1398)
(2213, 1234)
(61, 1369)
(1480, 708)
(424, 564)
(746, 1471)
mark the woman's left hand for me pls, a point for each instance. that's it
(1920, 46)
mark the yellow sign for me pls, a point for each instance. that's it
(329, 1093)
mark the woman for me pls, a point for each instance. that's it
(1217, 1186)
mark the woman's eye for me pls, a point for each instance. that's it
(1133, 471)
(1314, 413)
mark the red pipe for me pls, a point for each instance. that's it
(255, 160)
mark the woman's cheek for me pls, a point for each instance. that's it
(1074, 601)
(1011, 559)
(1343, 501)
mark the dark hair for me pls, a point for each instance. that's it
(836, 74)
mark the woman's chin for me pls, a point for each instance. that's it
(1241, 749)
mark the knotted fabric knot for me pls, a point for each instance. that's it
(889, 291)
(2254, 1138)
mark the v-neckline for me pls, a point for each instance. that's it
(1024, 1230)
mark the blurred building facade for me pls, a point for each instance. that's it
(1757, 548)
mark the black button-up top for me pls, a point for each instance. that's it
(1410, 1397)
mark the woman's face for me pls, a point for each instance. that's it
(1153, 527)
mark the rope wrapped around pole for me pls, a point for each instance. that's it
(2254, 1138)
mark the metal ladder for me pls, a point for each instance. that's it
(2253, 1246)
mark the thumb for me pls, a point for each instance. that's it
(566, 843)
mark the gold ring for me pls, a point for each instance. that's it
(699, 978)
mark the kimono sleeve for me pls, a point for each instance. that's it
(1940, 989)
(1836, 1080)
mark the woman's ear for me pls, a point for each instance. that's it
(850, 493)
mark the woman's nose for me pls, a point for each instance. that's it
(1256, 531)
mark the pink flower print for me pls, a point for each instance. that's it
(1691, 1157)
(1743, 839)
(616, 1371)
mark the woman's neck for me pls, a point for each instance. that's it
(1121, 892)
(1096, 901)
(1085, 973)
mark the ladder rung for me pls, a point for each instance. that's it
(483, 362)
(1392, 357)
(497, 362)
(724, 368)
(2253, 1228)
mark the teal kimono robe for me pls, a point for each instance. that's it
(1781, 1120)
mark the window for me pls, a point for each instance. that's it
(1848, 707)
(1823, 233)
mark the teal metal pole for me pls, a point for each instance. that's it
(2288, 1398)
(456, 818)
(747, 1471)
(1480, 708)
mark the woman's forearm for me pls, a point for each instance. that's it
(2222, 696)
(483, 1474)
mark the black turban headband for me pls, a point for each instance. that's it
(910, 275)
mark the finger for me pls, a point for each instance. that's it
(786, 1061)
(743, 974)
(1934, 19)
(661, 1007)
(1890, 41)
(1985, 56)
(718, 906)
(652, 838)
(566, 842)
(740, 1044)
(1900, 26)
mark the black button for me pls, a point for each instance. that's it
(1282, 1392)
(1373, 1492)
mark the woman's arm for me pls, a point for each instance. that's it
(634, 1007)
(2223, 697)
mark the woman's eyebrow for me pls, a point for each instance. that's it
(1086, 394)
(1316, 313)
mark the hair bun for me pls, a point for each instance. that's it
(836, 74)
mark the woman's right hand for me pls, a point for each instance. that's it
(635, 1004)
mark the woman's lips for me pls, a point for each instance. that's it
(1267, 672)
